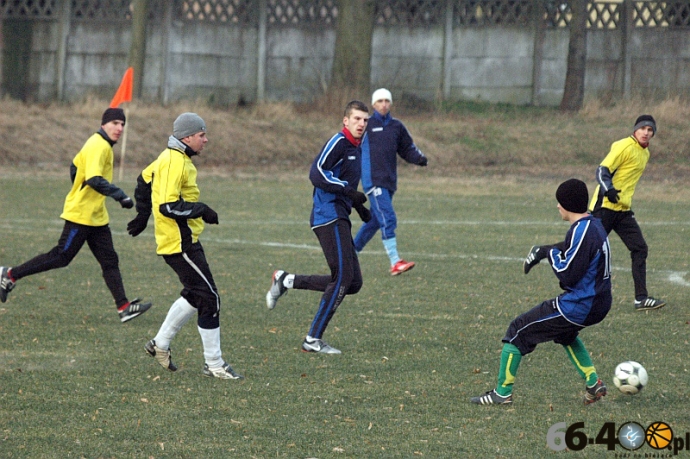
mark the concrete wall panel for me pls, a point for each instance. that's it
(219, 62)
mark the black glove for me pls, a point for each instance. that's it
(357, 197)
(423, 161)
(363, 212)
(612, 194)
(536, 254)
(137, 225)
(127, 202)
(210, 216)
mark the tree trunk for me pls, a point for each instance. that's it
(574, 91)
(351, 74)
(137, 50)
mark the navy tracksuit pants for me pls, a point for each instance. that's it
(345, 278)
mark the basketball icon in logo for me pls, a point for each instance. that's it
(659, 435)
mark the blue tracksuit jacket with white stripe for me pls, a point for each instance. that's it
(336, 169)
(583, 266)
(386, 138)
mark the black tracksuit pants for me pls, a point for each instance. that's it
(72, 239)
(625, 225)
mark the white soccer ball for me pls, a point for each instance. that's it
(630, 377)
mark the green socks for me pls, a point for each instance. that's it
(510, 361)
(579, 356)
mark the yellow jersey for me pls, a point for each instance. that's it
(626, 160)
(83, 204)
(172, 177)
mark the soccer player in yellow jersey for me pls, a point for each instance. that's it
(617, 177)
(168, 189)
(86, 218)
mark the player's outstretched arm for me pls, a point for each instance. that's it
(536, 254)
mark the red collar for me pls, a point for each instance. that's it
(349, 137)
(643, 145)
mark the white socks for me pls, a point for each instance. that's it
(178, 315)
(289, 281)
(211, 342)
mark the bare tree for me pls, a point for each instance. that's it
(137, 50)
(574, 90)
(351, 74)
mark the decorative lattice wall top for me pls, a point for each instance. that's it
(487, 12)
(660, 14)
(228, 11)
(29, 9)
(111, 10)
(304, 12)
(411, 13)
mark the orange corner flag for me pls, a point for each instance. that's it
(124, 92)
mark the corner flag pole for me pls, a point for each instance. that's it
(124, 94)
(123, 149)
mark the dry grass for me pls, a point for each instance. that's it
(463, 139)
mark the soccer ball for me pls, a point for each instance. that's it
(630, 377)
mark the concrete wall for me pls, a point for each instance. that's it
(219, 62)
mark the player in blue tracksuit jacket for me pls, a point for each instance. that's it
(582, 264)
(335, 174)
(386, 139)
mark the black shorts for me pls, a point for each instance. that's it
(199, 288)
(541, 324)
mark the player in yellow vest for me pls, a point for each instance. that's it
(617, 177)
(167, 188)
(86, 218)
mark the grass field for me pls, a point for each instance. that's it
(74, 382)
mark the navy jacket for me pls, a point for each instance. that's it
(386, 137)
(336, 169)
(583, 267)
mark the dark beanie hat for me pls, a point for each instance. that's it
(645, 120)
(112, 114)
(572, 196)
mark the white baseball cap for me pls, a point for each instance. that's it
(381, 93)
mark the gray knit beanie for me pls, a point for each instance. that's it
(645, 120)
(188, 124)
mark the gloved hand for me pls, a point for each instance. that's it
(612, 195)
(357, 197)
(127, 202)
(137, 225)
(210, 216)
(363, 212)
(423, 161)
(535, 255)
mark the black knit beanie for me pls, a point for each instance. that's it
(112, 114)
(572, 195)
(645, 120)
